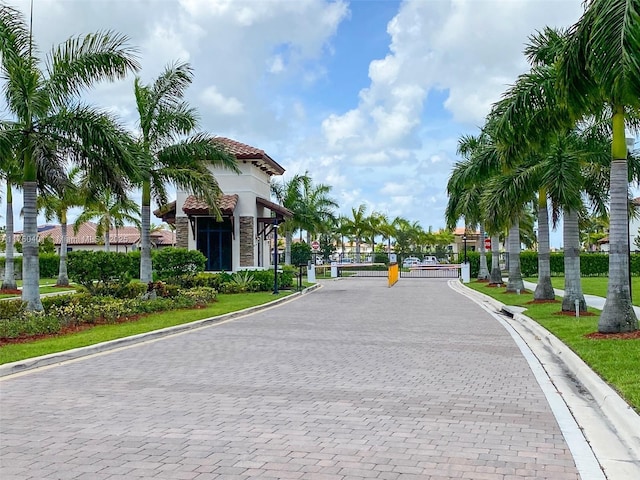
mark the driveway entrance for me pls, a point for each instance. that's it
(355, 380)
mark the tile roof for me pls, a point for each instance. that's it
(195, 206)
(460, 231)
(274, 207)
(248, 153)
(86, 235)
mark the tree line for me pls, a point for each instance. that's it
(314, 214)
(555, 143)
(60, 150)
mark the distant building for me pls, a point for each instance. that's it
(123, 239)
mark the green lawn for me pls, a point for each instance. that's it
(616, 361)
(225, 303)
(595, 286)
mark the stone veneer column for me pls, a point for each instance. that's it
(182, 232)
(246, 242)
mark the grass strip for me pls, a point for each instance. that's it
(595, 286)
(616, 361)
(225, 303)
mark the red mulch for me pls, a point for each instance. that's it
(616, 336)
(8, 291)
(542, 301)
(571, 313)
(522, 292)
(495, 285)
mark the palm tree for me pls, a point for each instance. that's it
(316, 207)
(170, 151)
(357, 226)
(49, 124)
(111, 212)
(56, 206)
(289, 194)
(11, 174)
(599, 69)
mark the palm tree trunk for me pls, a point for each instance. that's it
(107, 245)
(544, 289)
(63, 279)
(572, 284)
(288, 239)
(496, 273)
(9, 282)
(145, 243)
(483, 273)
(618, 314)
(357, 249)
(515, 282)
(30, 261)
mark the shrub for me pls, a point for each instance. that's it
(300, 253)
(49, 265)
(96, 270)
(29, 324)
(263, 280)
(11, 308)
(240, 282)
(171, 263)
(201, 296)
(204, 279)
(133, 289)
(134, 266)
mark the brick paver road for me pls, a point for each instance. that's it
(355, 380)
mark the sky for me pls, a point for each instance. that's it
(368, 96)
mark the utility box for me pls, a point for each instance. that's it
(334, 269)
(311, 273)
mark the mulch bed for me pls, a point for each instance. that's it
(542, 301)
(614, 336)
(10, 292)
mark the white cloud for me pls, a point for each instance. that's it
(446, 62)
(221, 104)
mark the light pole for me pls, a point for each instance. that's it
(275, 256)
(464, 239)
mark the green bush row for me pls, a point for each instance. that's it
(591, 264)
(242, 281)
(49, 265)
(83, 308)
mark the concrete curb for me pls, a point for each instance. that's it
(59, 357)
(623, 419)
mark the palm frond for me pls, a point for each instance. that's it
(95, 142)
(81, 61)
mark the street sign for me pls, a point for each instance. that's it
(315, 246)
(487, 244)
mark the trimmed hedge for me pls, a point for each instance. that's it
(83, 308)
(591, 264)
(49, 265)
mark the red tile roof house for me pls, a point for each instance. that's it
(123, 239)
(242, 239)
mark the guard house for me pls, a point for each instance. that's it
(242, 239)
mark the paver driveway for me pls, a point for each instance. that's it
(355, 380)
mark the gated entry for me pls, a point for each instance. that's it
(448, 270)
